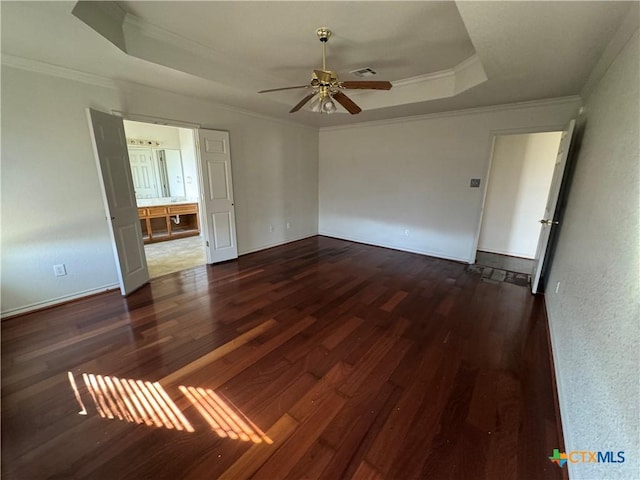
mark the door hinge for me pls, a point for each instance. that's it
(207, 242)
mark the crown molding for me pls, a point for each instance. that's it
(467, 63)
(57, 71)
(457, 113)
(37, 66)
(450, 72)
(158, 33)
(96, 80)
(427, 77)
(222, 106)
(430, 86)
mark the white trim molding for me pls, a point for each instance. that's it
(456, 113)
(428, 253)
(431, 86)
(57, 71)
(57, 301)
(277, 244)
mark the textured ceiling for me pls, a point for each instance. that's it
(226, 51)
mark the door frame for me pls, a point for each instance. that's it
(492, 135)
(195, 127)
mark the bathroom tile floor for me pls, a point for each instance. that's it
(174, 255)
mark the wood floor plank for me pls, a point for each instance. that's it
(370, 360)
(354, 361)
(325, 387)
(341, 332)
(284, 459)
(367, 472)
(258, 454)
(223, 374)
(442, 454)
(384, 449)
(348, 430)
(219, 352)
(393, 302)
(314, 461)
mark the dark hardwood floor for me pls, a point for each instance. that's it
(318, 359)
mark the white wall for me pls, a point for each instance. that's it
(52, 210)
(167, 136)
(517, 191)
(594, 318)
(380, 181)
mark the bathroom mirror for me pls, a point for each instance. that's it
(157, 172)
(170, 169)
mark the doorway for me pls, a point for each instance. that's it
(166, 183)
(126, 227)
(519, 182)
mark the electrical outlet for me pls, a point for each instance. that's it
(59, 270)
(475, 183)
(288, 225)
(406, 232)
(271, 229)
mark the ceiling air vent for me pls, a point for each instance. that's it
(364, 72)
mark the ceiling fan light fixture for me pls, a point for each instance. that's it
(328, 105)
(316, 104)
(327, 89)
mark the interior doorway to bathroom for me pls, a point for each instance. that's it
(164, 170)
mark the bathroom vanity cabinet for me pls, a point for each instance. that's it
(167, 222)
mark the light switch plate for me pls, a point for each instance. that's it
(475, 183)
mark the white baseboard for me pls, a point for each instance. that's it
(508, 254)
(277, 244)
(562, 404)
(85, 293)
(394, 247)
(55, 301)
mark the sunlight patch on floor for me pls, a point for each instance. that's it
(141, 402)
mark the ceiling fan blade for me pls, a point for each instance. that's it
(366, 85)
(324, 77)
(302, 102)
(347, 103)
(285, 88)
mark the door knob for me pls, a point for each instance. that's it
(544, 221)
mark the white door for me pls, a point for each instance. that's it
(110, 148)
(143, 171)
(217, 192)
(548, 221)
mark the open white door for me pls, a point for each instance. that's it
(217, 190)
(554, 190)
(110, 148)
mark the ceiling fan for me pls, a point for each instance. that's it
(327, 88)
